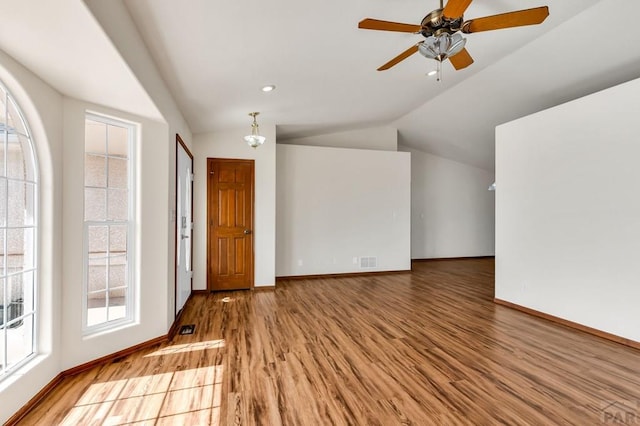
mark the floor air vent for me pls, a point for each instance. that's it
(187, 329)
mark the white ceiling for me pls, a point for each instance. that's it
(61, 42)
(572, 60)
(215, 56)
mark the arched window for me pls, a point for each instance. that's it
(18, 237)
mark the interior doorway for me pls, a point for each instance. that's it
(184, 223)
(230, 196)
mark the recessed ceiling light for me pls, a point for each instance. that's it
(269, 88)
(432, 73)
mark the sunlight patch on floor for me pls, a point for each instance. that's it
(185, 397)
(188, 347)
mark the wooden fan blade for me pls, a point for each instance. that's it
(461, 59)
(507, 20)
(455, 8)
(376, 24)
(401, 57)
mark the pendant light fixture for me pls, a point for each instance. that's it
(254, 140)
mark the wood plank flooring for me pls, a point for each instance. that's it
(422, 348)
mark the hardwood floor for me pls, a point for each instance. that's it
(427, 347)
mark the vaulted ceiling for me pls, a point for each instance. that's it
(215, 56)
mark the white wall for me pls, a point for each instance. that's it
(152, 242)
(229, 144)
(334, 205)
(114, 18)
(452, 212)
(568, 211)
(60, 342)
(42, 107)
(378, 138)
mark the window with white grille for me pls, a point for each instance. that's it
(108, 223)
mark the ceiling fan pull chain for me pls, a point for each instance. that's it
(439, 69)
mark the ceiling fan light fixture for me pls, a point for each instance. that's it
(442, 46)
(254, 140)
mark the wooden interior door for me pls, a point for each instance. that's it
(230, 218)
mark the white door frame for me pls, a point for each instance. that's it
(184, 225)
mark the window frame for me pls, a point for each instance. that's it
(35, 314)
(130, 293)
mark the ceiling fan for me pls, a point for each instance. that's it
(441, 29)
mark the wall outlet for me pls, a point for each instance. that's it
(300, 262)
(355, 260)
(368, 262)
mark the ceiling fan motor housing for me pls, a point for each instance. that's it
(435, 23)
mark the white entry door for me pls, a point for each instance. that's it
(184, 223)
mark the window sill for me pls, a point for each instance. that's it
(109, 328)
(28, 364)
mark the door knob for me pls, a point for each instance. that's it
(247, 231)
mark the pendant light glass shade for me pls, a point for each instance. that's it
(254, 140)
(442, 46)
